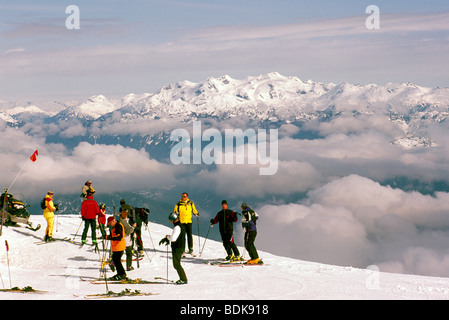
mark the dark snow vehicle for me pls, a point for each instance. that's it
(15, 211)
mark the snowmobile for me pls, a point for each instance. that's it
(15, 211)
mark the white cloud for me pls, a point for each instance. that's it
(356, 221)
(114, 168)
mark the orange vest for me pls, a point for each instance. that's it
(118, 238)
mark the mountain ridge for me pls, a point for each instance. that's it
(272, 88)
(268, 99)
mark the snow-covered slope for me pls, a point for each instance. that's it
(59, 267)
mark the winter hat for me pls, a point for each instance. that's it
(244, 205)
(110, 219)
(224, 202)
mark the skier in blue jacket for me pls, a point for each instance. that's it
(249, 218)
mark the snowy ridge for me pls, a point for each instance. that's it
(270, 98)
(91, 109)
(58, 268)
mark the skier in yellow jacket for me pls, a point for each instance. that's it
(185, 208)
(49, 216)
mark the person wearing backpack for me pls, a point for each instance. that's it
(249, 218)
(49, 207)
(185, 208)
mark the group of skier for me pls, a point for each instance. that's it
(125, 228)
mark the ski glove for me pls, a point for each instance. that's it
(164, 241)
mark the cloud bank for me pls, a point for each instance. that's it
(356, 221)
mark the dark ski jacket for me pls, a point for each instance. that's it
(225, 220)
(180, 242)
(249, 218)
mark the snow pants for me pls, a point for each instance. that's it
(93, 225)
(117, 259)
(102, 229)
(129, 257)
(177, 254)
(250, 237)
(138, 234)
(189, 236)
(229, 245)
(50, 226)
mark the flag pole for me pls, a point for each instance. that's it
(33, 158)
(17, 176)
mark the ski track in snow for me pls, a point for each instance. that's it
(58, 268)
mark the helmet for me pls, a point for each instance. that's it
(173, 216)
(102, 206)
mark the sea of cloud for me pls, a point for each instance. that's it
(346, 216)
(356, 221)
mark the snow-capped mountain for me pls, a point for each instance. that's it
(270, 99)
(7, 118)
(91, 109)
(275, 97)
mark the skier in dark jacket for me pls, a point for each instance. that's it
(226, 218)
(249, 218)
(141, 216)
(178, 245)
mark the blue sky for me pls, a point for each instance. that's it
(138, 46)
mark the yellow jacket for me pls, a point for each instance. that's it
(185, 210)
(50, 207)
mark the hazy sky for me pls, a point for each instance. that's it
(139, 46)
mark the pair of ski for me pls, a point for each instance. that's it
(238, 263)
(54, 240)
(111, 294)
(23, 290)
(131, 281)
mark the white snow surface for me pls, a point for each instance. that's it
(58, 267)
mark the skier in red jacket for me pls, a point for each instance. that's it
(89, 212)
(102, 220)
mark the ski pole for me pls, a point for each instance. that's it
(204, 243)
(103, 265)
(148, 228)
(77, 231)
(137, 255)
(199, 242)
(7, 258)
(167, 263)
(2, 281)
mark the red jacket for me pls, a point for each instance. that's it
(89, 208)
(102, 217)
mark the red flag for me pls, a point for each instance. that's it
(34, 156)
(7, 246)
